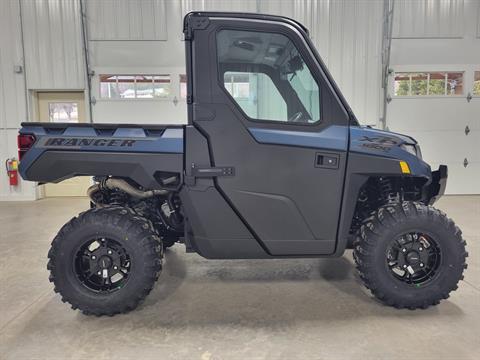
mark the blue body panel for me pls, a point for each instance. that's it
(332, 138)
(363, 140)
(387, 144)
(121, 139)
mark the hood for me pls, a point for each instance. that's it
(377, 142)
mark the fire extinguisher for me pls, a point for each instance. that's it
(12, 171)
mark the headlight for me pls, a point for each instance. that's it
(410, 148)
(419, 151)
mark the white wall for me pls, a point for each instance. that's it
(12, 97)
(145, 19)
(53, 44)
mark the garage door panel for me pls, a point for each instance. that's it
(474, 111)
(462, 180)
(447, 146)
(426, 114)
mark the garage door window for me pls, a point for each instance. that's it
(476, 83)
(429, 84)
(134, 86)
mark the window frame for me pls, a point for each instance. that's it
(154, 98)
(428, 73)
(306, 60)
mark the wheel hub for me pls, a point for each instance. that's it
(105, 262)
(102, 265)
(413, 258)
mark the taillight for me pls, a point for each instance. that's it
(25, 142)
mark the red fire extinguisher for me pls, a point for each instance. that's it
(12, 171)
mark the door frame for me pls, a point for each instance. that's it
(34, 116)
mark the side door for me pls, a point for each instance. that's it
(275, 124)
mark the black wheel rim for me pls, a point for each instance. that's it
(414, 258)
(102, 265)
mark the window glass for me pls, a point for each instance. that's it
(144, 88)
(257, 95)
(267, 77)
(428, 84)
(402, 84)
(419, 84)
(108, 87)
(436, 84)
(161, 86)
(134, 86)
(455, 83)
(126, 86)
(476, 83)
(183, 86)
(63, 112)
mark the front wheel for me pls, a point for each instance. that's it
(410, 255)
(105, 261)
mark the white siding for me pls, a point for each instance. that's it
(478, 20)
(12, 85)
(52, 41)
(12, 96)
(428, 19)
(127, 20)
(219, 5)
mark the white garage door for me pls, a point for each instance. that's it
(446, 125)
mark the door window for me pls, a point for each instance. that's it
(267, 77)
(63, 112)
(257, 95)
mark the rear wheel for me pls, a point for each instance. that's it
(105, 261)
(410, 255)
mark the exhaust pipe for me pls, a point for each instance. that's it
(122, 185)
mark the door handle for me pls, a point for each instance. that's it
(327, 160)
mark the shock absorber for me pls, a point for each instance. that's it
(387, 190)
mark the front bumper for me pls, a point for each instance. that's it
(437, 186)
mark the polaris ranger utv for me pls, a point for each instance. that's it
(272, 164)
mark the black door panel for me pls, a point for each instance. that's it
(292, 205)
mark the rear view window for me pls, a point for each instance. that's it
(267, 77)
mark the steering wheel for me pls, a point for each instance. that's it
(295, 117)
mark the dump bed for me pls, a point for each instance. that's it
(52, 152)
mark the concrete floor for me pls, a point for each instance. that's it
(201, 309)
